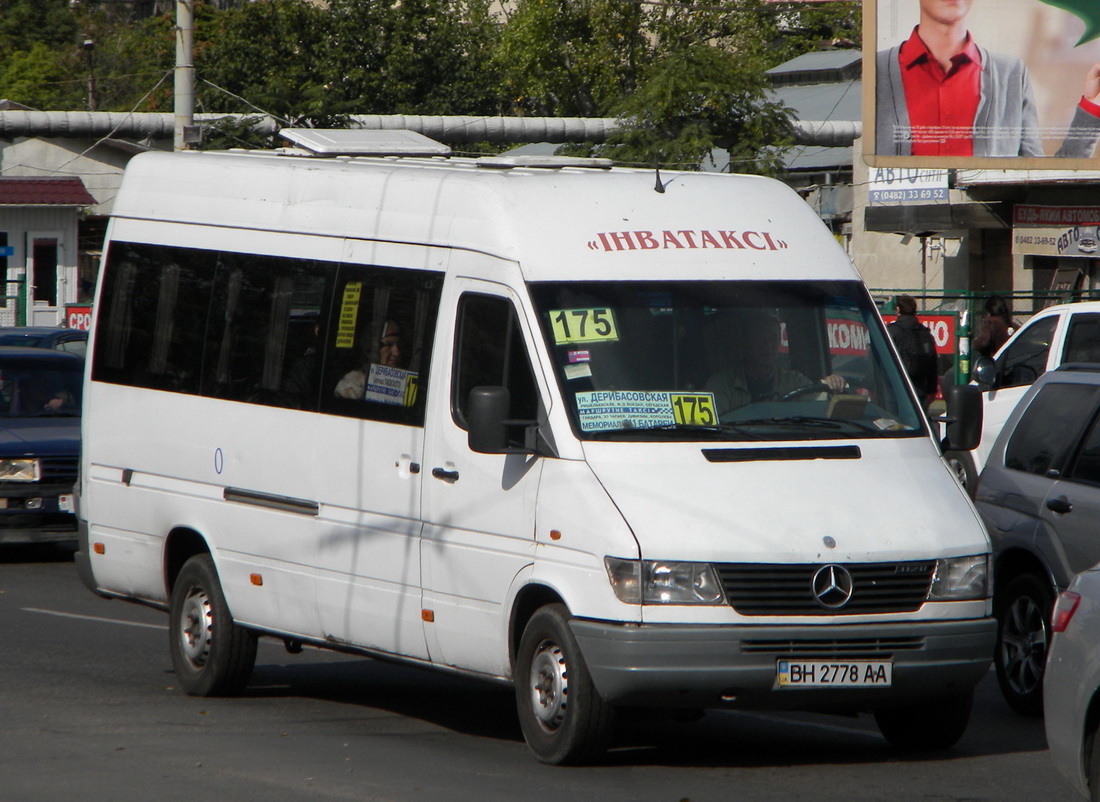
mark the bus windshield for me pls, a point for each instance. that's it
(727, 360)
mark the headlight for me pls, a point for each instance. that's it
(19, 470)
(960, 579)
(658, 582)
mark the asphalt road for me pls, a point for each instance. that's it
(90, 710)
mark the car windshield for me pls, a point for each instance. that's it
(28, 390)
(724, 360)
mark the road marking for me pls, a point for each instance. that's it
(93, 618)
(161, 627)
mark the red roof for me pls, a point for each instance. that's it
(44, 192)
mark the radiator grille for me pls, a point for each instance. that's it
(59, 470)
(758, 589)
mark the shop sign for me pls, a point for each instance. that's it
(1055, 230)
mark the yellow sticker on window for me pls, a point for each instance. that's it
(349, 311)
(583, 325)
(694, 409)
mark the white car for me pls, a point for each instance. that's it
(1071, 686)
(1055, 336)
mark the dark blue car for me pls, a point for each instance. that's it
(74, 341)
(40, 398)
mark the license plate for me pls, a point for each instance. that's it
(834, 673)
(65, 503)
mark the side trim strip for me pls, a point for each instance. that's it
(284, 503)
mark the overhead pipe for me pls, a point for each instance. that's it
(450, 129)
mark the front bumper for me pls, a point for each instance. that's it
(32, 513)
(735, 666)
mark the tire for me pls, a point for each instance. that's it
(1092, 756)
(562, 716)
(211, 655)
(961, 464)
(927, 724)
(1023, 639)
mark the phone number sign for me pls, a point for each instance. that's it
(906, 185)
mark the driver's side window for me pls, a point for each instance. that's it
(1026, 359)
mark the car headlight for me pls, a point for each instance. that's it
(961, 579)
(19, 470)
(664, 582)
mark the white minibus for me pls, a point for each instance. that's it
(620, 438)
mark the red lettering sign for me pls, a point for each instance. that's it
(686, 239)
(78, 317)
(942, 328)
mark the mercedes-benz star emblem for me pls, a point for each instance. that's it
(832, 586)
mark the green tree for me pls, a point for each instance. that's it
(798, 28)
(683, 77)
(24, 23)
(42, 77)
(571, 58)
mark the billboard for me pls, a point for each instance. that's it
(1009, 84)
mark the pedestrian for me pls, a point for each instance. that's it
(996, 327)
(917, 349)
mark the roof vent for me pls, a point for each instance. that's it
(362, 142)
(505, 162)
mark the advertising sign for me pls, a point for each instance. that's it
(1055, 230)
(906, 185)
(1009, 84)
(941, 326)
(78, 317)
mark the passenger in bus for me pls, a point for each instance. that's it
(389, 350)
(759, 376)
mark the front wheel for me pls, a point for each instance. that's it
(1023, 638)
(962, 466)
(212, 656)
(927, 723)
(563, 718)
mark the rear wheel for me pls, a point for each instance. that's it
(211, 655)
(563, 718)
(1023, 637)
(927, 724)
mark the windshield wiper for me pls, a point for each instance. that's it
(719, 432)
(803, 420)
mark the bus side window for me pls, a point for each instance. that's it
(249, 349)
(152, 316)
(489, 350)
(378, 348)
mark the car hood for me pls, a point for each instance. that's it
(46, 436)
(897, 500)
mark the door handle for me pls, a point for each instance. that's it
(445, 475)
(1059, 505)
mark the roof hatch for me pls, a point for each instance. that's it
(364, 142)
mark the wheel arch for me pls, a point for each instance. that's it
(181, 545)
(1016, 562)
(1089, 735)
(529, 599)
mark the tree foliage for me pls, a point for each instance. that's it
(682, 76)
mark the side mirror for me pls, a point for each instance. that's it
(964, 417)
(985, 372)
(488, 411)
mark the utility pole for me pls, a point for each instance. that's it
(184, 76)
(89, 48)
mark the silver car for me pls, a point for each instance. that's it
(1071, 687)
(1039, 496)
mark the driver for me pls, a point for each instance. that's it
(759, 377)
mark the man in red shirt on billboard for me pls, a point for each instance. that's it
(940, 94)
